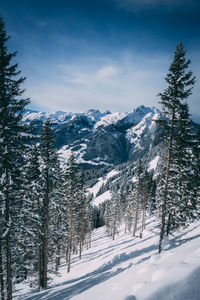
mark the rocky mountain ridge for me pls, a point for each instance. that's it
(100, 138)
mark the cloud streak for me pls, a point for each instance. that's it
(107, 72)
(138, 5)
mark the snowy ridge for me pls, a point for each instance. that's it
(136, 133)
(109, 119)
(137, 114)
(99, 138)
(58, 116)
(129, 268)
(93, 115)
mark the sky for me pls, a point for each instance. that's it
(101, 54)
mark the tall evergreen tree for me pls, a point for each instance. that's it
(115, 213)
(195, 179)
(29, 231)
(179, 88)
(129, 206)
(82, 212)
(138, 195)
(71, 192)
(181, 194)
(51, 181)
(11, 152)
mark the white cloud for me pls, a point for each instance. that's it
(107, 72)
(88, 76)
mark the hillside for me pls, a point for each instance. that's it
(129, 268)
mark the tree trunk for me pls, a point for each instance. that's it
(169, 224)
(81, 238)
(80, 248)
(70, 238)
(39, 261)
(113, 233)
(144, 211)
(46, 238)
(125, 227)
(67, 251)
(90, 240)
(136, 218)
(8, 267)
(164, 212)
(58, 255)
(46, 235)
(39, 246)
(8, 244)
(137, 207)
(1, 272)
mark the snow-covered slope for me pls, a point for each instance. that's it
(97, 186)
(109, 119)
(129, 268)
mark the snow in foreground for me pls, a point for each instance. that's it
(130, 268)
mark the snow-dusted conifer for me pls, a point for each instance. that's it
(195, 178)
(179, 88)
(115, 213)
(29, 231)
(51, 196)
(138, 195)
(71, 194)
(11, 156)
(129, 205)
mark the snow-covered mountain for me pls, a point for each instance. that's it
(100, 138)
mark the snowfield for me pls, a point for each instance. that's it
(95, 188)
(129, 268)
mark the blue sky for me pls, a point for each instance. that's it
(103, 54)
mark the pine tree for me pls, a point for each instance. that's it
(71, 192)
(89, 220)
(29, 232)
(145, 198)
(58, 223)
(81, 212)
(138, 195)
(195, 179)
(179, 88)
(129, 209)
(51, 181)
(115, 212)
(152, 187)
(181, 194)
(11, 156)
(107, 217)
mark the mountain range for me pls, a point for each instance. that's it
(100, 139)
